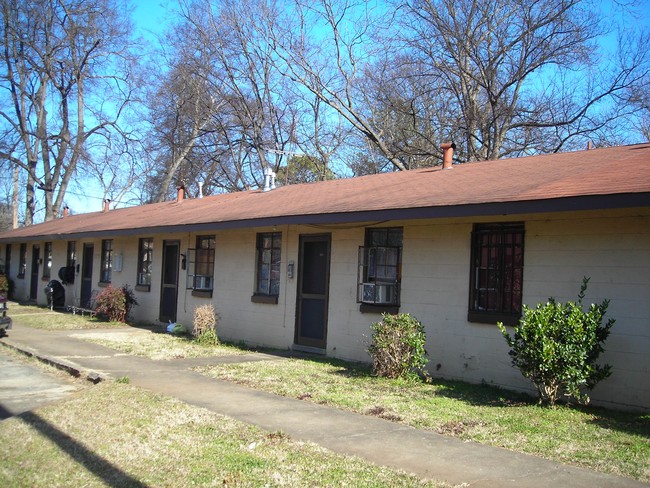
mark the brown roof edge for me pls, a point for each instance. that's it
(567, 204)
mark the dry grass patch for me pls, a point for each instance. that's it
(44, 318)
(119, 435)
(612, 442)
(157, 346)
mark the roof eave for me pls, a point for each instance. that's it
(577, 203)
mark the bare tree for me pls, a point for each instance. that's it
(323, 46)
(223, 105)
(181, 107)
(64, 81)
(522, 76)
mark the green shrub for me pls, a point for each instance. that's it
(115, 303)
(130, 300)
(556, 346)
(204, 327)
(397, 349)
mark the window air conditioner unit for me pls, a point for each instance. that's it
(377, 293)
(203, 282)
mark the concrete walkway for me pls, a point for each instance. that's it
(424, 453)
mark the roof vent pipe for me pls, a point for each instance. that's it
(447, 154)
(200, 189)
(267, 179)
(107, 203)
(180, 193)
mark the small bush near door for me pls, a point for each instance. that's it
(205, 325)
(556, 346)
(115, 303)
(397, 348)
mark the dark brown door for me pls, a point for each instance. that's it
(87, 276)
(313, 291)
(33, 284)
(169, 282)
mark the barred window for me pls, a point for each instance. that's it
(497, 269)
(380, 263)
(22, 261)
(47, 269)
(145, 259)
(106, 266)
(71, 259)
(201, 266)
(269, 251)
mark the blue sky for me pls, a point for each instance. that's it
(151, 16)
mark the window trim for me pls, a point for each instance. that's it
(71, 253)
(500, 229)
(260, 296)
(364, 278)
(22, 261)
(142, 250)
(193, 262)
(47, 261)
(106, 263)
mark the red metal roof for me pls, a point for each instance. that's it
(545, 183)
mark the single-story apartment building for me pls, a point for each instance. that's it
(309, 267)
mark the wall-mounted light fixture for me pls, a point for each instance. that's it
(290, 268)
(183, 261)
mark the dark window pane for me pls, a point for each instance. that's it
(497, 273)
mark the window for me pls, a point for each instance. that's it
(497, 273)
(379, 272)
(71, 258)
(267, 283)
(106, 266)
(145, 258)
(47, 269)
(201, 261)
(22, 261)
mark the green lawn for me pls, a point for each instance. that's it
(603, 440)
(612, 442)
(114, 434)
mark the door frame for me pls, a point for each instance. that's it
(169, 243)
(305, 342)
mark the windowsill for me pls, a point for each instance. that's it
(372, 308)
(146, 288)
(270, 299)
(202, 293)
(104, 284)
(493, 317)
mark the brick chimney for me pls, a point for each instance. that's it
(447, 154)
(180, 194)
(66, 211)
(107, 203)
